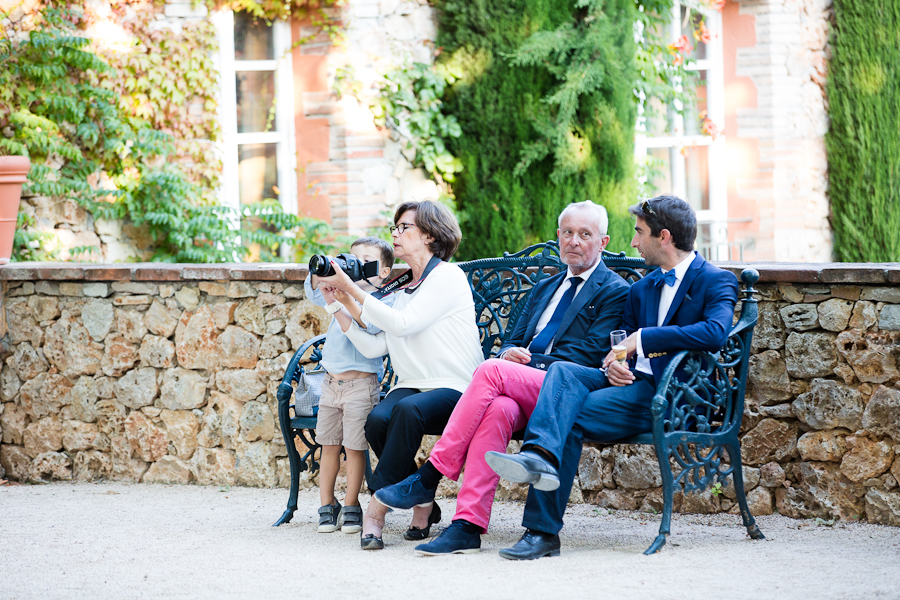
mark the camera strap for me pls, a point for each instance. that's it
(404, 279)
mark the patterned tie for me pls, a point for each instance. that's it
(540, 343)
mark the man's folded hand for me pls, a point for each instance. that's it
(518, 355)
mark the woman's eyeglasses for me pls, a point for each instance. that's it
(401, 227)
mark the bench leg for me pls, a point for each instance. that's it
(284, 421)
(296, 467)
(668, 481)
(734, 450)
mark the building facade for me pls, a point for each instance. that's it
(296, 124)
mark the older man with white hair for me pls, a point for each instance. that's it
(568, 318)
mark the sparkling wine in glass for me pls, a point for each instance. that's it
(617, 341)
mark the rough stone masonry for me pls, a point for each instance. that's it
(167, 374)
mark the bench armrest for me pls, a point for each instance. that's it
(293, 370)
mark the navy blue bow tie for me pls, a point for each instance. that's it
(668, 277)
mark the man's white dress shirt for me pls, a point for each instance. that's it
(556, 297)
(666, 295)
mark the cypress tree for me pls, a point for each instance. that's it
(864, 141)
(545, 102)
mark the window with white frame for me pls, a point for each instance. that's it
(256, 111)
(681, 158)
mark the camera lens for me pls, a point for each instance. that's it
(319, 266)
(314, 264)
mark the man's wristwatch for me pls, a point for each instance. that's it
(334, 307)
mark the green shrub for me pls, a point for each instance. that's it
(545, 103)
(864, 141)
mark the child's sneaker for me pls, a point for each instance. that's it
(328, 517)
(351, 519)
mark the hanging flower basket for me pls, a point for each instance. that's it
(13, 173)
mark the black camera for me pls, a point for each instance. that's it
(320, 265)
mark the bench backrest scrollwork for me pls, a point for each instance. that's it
(500, 286)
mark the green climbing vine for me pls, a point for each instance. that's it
(130, 134)
(409, 101)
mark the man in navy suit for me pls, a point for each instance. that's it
(568, 318)
(687, 304)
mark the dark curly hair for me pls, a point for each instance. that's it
(672, 213)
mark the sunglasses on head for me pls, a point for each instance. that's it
(647, 208)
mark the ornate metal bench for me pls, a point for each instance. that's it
(695, 422)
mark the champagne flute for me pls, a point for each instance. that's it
(617, 341)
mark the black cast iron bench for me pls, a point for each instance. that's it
(695, 422)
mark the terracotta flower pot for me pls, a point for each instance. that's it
(13, 173)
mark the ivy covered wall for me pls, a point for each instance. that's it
(545, 103)
(864, 141)
(116, 104)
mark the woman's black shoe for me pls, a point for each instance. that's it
(371, 542)
(416, 534)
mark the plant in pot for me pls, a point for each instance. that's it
(14, 162)
(53, 114)
(13, 173)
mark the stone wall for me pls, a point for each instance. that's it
(168, 374)
(150, 374)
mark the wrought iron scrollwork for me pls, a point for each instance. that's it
(732, 352)
(498, 285)
(701, 466)
(697, 395)
(693, 413)
(698, 407)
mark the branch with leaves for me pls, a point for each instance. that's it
(409, 101)
(62, 106)
(583, 60)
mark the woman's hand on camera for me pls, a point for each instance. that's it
(338, 281)
(341, 283)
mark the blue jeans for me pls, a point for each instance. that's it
(576, 403)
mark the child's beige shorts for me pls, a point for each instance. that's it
(343, 409)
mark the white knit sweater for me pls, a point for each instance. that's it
(430, 334)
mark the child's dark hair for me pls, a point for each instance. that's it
(386, 250)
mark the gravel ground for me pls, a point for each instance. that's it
(114, 540)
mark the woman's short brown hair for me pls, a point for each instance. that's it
(436, 220)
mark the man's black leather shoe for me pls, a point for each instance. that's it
(524, 467)
(534, 544)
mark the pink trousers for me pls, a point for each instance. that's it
(498, 402)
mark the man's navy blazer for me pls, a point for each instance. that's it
(583, 335)
(699, 318)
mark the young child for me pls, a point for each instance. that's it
(349, 392)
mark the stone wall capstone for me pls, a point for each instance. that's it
(168, 373)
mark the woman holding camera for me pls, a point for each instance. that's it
(432, 338)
